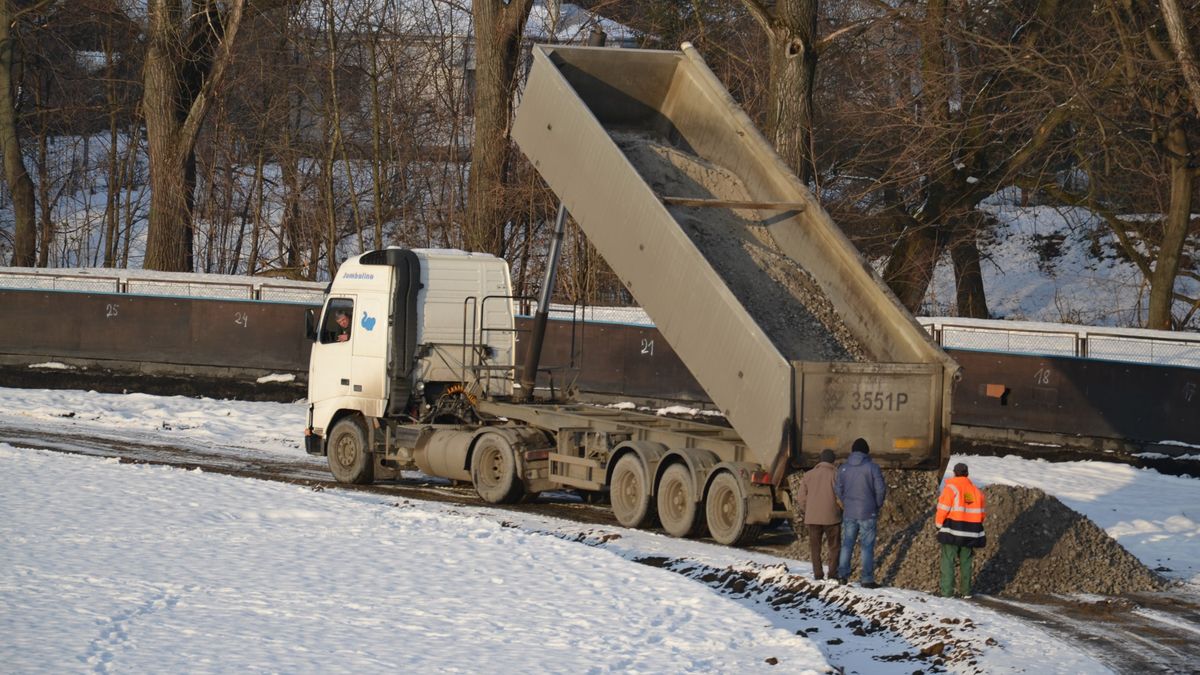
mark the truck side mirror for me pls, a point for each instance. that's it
(310, 323)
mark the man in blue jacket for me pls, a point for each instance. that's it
(860, 490)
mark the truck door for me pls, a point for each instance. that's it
(332, 359)
(368, 372)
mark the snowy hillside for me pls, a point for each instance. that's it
(1055, 264)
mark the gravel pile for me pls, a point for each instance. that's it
(783, 298)
(1035, 544)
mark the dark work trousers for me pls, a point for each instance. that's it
(833, 539)
(964, 556)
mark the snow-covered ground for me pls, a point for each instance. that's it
(111, 566)
(146, 569)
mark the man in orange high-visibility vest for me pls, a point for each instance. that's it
(960, 514)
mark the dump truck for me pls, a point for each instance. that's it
(788, 329)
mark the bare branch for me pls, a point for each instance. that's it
(761, 14)
(1177, 30)
(32, 9)
(220, 64)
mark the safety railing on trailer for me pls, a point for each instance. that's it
(478, 332)
(574, 365)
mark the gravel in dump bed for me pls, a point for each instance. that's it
(781, 297)
(1035, 544)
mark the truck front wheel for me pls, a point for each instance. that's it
(349, 460)
(494, 470)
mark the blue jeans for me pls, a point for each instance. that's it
(864, 532)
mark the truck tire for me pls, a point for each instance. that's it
(679, 510)
(349, 460)
(629, 493)
(494, 470)
(725, 508)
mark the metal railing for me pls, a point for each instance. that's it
(139, 282)
(1130, 345)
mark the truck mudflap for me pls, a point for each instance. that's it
(313, 444)
(898, 408)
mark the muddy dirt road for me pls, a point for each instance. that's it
(1150, 632)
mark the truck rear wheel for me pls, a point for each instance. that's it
(629, 492)
(725, 508)
(678, 508)
(349, 461)
(494, 470)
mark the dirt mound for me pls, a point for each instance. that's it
(783, 298)
(1035, 544)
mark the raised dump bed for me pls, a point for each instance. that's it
(763, 298)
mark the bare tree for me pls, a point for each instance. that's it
(19, 182)
(1157, 136)
(499, 26)
(1177, 30)
(186, 59)
(929, 112)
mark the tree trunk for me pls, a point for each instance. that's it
(112, 196)
(291, 230)
(45, 211)
(793, 58)
(162, 107)
(256, 190)
(968, 278)
(1175, 228)
(915, 254)
(19, 183)
(910, 267)
(498, 29)
(378, 161)
(181, 73)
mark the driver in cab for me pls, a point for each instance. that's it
(341, 332)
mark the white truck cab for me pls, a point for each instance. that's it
(402, 327)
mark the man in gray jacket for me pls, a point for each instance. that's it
(861, 490)
(822, 517)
